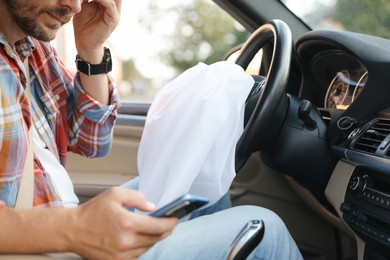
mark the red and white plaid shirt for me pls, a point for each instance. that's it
(72, 120)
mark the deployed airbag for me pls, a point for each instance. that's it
(191, 131)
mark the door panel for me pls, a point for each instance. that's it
(93, 175)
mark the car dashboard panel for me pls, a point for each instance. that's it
(347, 75)
(341, 76)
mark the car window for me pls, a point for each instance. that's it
(158, 39)
(362, 16)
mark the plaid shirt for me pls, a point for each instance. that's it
(66, 117)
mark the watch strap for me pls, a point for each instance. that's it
(95, 69)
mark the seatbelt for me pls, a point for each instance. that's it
(24, 199)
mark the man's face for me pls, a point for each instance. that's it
(37, 18)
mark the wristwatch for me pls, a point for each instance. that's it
(94, 69)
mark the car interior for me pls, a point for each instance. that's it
(315, 147)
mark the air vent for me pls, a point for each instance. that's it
(370, 140)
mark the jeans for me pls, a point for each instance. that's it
(209, 234)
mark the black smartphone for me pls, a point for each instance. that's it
(246, 240)
(181, 207)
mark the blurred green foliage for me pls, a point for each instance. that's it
(203, 33)
(364, 16)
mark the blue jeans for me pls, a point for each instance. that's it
(210, 236)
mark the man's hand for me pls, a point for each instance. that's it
(93, 25)
(105, 229)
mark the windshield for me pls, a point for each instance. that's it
(362, 16)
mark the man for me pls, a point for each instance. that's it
(77, 113)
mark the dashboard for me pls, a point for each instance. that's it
(340, 76)
(346, 75)
(344, 88)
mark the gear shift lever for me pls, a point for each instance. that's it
(247, 239)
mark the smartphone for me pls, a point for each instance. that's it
(246, 240)
(181, 207)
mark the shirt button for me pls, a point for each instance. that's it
(57, 97)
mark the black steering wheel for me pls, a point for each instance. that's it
(271, 101)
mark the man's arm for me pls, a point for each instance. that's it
(90, 119)
(95, 85)
(99, 229)
(92, 27)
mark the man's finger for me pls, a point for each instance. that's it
(148, 225)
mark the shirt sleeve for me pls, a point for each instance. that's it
(92, 109)
(91, 122)
(85, 124)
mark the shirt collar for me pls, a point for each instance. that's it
(23, 47)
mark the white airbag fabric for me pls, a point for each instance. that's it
(191, 130)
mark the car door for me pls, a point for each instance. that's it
(93, 175)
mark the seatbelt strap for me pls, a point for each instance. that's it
(24, 199)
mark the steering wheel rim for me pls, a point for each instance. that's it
(270, 102)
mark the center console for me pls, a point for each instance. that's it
(366, 210)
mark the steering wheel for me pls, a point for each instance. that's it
(271, 101)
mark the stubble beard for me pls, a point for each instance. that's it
(25, 14)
